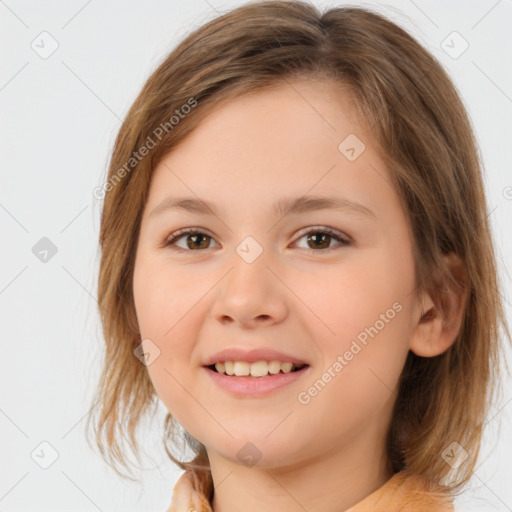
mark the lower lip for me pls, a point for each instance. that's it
(255, 386)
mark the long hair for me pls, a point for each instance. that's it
(419, 122)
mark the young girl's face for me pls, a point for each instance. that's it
(251, 278)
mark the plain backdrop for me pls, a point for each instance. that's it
(58, 120)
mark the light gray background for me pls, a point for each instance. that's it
(58, 120)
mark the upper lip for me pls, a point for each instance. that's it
(251, 356)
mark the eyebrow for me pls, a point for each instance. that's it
(282, 208)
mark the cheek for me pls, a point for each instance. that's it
(166, 302)
(354, 295)
(163, 297)
(368, 306)
(355, 387)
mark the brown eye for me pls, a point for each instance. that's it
(197, 241)
(320, 238)
(194, 239)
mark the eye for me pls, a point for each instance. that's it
(195, 239)
(322, 236)
(319, 236)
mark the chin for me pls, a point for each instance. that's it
(260, 452)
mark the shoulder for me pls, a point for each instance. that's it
(424, 497)
(404, 492)
(186, 498)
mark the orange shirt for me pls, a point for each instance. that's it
(401, 493)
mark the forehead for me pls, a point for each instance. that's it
(284, 112)
(291, 139)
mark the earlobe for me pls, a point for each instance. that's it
(439, 318)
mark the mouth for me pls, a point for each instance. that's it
(259, 379)
(258, 370)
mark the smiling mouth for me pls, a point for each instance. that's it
(229, 369)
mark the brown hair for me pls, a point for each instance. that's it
(420, 124)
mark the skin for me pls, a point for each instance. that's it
(328, 454)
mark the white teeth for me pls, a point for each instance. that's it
(258, 369)
(229, 367)
(242, 368)
(286, 367)
(274, 367)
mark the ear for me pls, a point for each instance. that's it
(437, 325)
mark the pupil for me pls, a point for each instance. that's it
(195, 237)
(315, 235)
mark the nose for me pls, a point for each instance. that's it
(251, 294)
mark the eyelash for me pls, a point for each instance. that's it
(174, 237)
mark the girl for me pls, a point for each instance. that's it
(296, 260)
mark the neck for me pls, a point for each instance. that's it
(332, 482)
